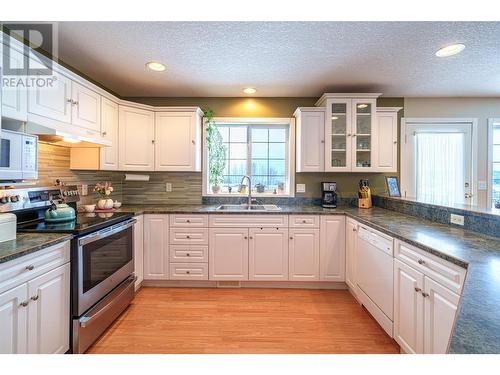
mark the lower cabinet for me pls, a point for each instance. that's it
(303, 255)
(268, 254)
(228, 254)
(139, 250)
(156, 264)
(350, 253)
(425, 311)
(332, 248)
(34, 316)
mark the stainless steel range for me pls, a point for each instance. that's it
(102, 256)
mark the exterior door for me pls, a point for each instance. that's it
(332, 248)
(109, 131)
(86, 109)
(136, 139)
(441, 306)
(303, 253)
(48, 308)
(14, 321)
(268, 254)
(408, 308)
(175, 148)
(156, 247)
(53, 103)
(338, 135)
(228, 255)
(350, 253)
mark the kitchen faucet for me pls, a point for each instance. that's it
(249, 188)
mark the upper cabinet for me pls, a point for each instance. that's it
(136, 139)
(86, 108)
(15, 97)
(109, 131)
(310, 131)
(178, 141)
(386, 155)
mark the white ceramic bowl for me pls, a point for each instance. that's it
(117, 204)
(89, 207)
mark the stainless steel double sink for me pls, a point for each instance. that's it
(248, 207)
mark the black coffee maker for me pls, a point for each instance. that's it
(329, 194)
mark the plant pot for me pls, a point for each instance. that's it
(215, 189)
(105, 204)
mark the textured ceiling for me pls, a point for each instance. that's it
(285, 59)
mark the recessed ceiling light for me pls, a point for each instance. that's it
(249, 90)
(156, 66)
(450, 50)
(361, 106)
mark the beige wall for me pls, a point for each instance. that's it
(479, 108)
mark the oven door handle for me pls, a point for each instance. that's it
(105, 233)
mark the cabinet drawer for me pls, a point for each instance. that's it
(247, 221)
(442, 271)
(303, 221)
(187, 236)
(185, 220)
(188, 254)
(20, 270)
(188, 271)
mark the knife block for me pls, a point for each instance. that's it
(365, 202)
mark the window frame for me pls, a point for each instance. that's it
(491, 123)
(255, 121)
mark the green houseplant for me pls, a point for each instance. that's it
(216, 152)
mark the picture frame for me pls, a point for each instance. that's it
(392, 184)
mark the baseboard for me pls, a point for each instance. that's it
(246, 284)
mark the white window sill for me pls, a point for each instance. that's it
(254, 195)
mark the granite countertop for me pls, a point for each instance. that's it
(477, 328)
(27, 243)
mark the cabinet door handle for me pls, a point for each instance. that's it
(425, 295)
(354, 230)
(75, 103)
(421, 261)
(417, 289)
(251, 237)
(153, 141)
(291, 238)
(188, 237)
(24, 304)
(188, 255)
(193, 142)
(246, 238)
(188, 221)
(34, 298)
(30, 267)
(395, 142)
(322, 141)
(69, 101)
(104, 133)
(187, 272)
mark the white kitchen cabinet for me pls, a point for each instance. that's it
(156, 263)
(136, 130)
(139, 250)
(310, 131)
(109, 131)
(350, 253)
(350, 132)
(178, 141)
(408, 308)
(54, 103)
(228, 254)
(303, 253)
(440, 309)
(14, 321)
(86, 109)
(332, 248)
(14, 97)
(386, 152)
(48, 312)
(268, 254)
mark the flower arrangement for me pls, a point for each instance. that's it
(104, 189)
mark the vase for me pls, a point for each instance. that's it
(105, 204)
(215, 189)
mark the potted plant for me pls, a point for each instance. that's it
(104, 189)
(216, 152)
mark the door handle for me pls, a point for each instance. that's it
(468, 195)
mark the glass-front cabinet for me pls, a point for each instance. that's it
(349, 133)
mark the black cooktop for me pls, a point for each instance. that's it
(83, 224)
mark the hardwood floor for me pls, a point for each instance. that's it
(179, 320)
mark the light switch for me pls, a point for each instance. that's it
(85, 190)
(168, 187)
(301, 188)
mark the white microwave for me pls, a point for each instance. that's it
(18, 156)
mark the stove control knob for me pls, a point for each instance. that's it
(4, 200)
(65, 193)
(14, 198)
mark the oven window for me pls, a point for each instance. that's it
(105, 256)
(5, 153)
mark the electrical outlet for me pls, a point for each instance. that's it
(85, 190)
(168, 187)
(301, 188)
(457, 219)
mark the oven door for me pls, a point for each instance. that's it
(104, 260)
(11, 166)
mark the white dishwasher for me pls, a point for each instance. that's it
(375, 275)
